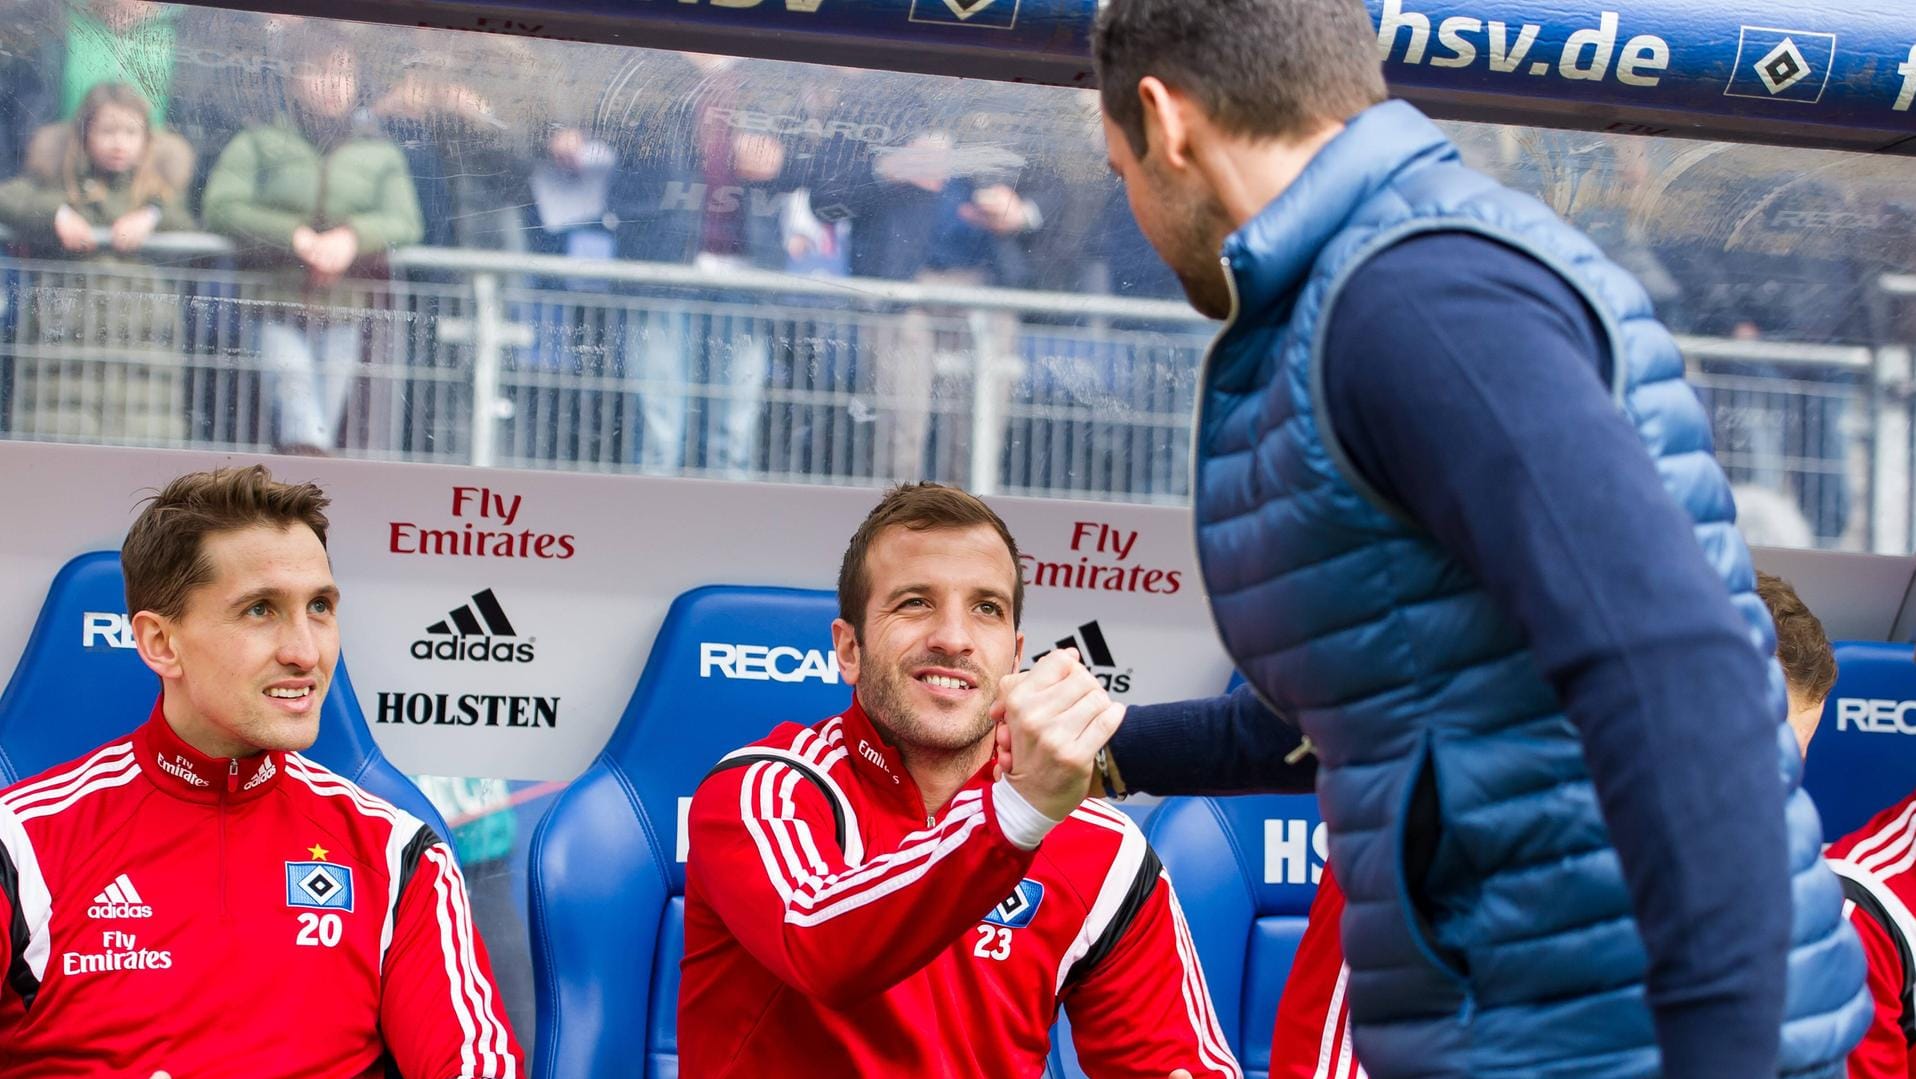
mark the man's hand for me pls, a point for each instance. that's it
(73, 231)
(756, 159)
(1055, 717)
(326, 254)
(924, 162)
(997, 209)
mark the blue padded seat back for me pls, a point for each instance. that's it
(81, 683)
(1246, 870)
(608, 873)
(1863, 758)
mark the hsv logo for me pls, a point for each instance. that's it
(1019, 907)
(319, 886)
(1294, 851)
(766, 663)
(984, 14)
(101, 630)
(463, 635)
(119, 900)
(1097, 656)
(1874, 716)
(1782, 65)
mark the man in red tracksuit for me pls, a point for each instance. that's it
(1875, 864)
(865, 898)
(1312, 1038)
(198, 898)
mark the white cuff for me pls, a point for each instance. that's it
(1022, 823)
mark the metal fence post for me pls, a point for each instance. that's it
(987, 420)
(1890, 466)
(489, 334)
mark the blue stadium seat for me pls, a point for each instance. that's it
(80, 683)
(608, 870)
(1863, 759)
(1246, 870)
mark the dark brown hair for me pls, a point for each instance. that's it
(1809, 663)
(919, 507)
(1272, 68)
(164, 557)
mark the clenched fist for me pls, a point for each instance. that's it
(1052, 720)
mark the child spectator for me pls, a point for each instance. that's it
(108, 168)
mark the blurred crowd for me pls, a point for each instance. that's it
(317, 148)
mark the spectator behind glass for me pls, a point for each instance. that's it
(940, 204)
(468, 161)
(106, 169)
(52, 54)
(320, 195)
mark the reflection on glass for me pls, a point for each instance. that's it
(434, 246)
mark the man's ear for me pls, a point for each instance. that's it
(1018, 654)
(1167, 122)
(845, 643)
(153, 635)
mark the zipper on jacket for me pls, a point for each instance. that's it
(232, 784)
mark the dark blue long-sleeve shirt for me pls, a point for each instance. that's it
(1468, 385)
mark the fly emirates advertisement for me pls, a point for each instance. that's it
(495, 623)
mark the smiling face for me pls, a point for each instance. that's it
(938, 635)
(247, 663)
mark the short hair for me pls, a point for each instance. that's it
(1270, 68)
(919, 507)
(1809, 663)
(164, 556)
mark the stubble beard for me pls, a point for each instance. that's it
(1199, 226)
(953, 734)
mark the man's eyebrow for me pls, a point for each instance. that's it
(993, 593)
(265, 592)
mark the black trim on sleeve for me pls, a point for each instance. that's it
(1870, 905)
(817, 780)
(19, 975)
(1142, 885)
(409, 861)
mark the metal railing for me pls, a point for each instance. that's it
(553, 362)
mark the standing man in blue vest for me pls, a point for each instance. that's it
(1458, 518)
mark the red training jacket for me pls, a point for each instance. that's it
(1878, 865)
(832, 929)
(1312, 1039)
(161, 910)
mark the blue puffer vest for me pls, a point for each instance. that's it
(1419, 693)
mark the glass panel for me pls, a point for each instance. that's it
(435, 246)
(460, 248)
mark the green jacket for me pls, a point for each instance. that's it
(270, 180)
(28, 204)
